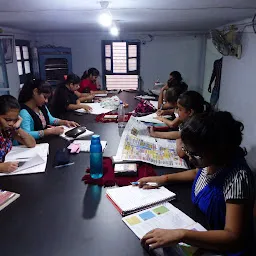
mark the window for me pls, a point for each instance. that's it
(121, 64)
(23, 61)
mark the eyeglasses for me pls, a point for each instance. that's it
(191, 154)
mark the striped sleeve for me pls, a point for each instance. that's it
(239, 185)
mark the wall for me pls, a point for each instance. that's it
(12, 69)
(158, 58)
(238, 90)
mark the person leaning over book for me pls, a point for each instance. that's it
(37, 120)
(10, 130)
(223, 187)
(65, 97)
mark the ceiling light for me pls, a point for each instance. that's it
(105, 19)
(114, 31)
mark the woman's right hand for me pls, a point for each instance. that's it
(9, 167)
(87, 108)
(57, 130)
(160, 180)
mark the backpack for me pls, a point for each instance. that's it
(144, 107)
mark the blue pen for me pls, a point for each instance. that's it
(64, 165)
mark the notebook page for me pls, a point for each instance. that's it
(22, 152)
(97, 109)
(132, 197)
(151, 119)
(164, 216)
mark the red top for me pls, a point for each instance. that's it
(87, 84)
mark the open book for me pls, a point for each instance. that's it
(131, 199)
(151, 118)
(164, 216)
(7, 198)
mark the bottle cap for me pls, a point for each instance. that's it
(121, 102)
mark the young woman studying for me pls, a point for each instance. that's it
(223, 187)
(10, 130)
(37, 120)
(188, 104)
(175, 80)
(65, 98)
(89, 82)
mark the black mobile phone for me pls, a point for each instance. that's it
(76, 131)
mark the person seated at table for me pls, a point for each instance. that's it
(171, 98)
(89, 82)
(189, 104)
(10, 130)
(65, 98)
(37, 120)
(223, 187)
(175, 80)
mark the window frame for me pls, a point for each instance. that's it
(103, 58)
(24, 77)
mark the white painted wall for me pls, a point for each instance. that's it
(238, 91)
(158, 58)
(12, 69)
(211, 55)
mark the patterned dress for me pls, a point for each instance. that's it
(5, 144)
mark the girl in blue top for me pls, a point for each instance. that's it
(37, 120)
(223, 187)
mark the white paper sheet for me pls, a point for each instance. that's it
(145, 97)
(22, 152)
(164, 216)
(154, 103)
(86, 134)
(96, 109)
(85, 145)
(35, 164)
(101, 95)
(151, 119)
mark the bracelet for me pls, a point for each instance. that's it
(17, 128)
(41, 133)
(166, 178)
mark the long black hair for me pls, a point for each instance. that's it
(173, 94)
(8, 102)
(177, 81)
(192, 100)
(26, 92)
(72, 79)
(214, 133)
(90, 71)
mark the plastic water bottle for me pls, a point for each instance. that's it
(121, 115)
(96, 158)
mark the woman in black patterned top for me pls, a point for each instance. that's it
(223, 186)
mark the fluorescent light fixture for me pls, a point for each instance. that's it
(105, 19)
(114, 31)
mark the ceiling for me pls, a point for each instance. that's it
(132, 15)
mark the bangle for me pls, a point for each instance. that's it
(41, 133)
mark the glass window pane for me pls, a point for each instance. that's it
(25, 52)
(119, 57)
(27, 67)
(132, 64)
(20, 70)
(108, 51)
(18, 54)
(132, 51)
(108, 64)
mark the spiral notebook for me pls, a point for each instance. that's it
(131, 199)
